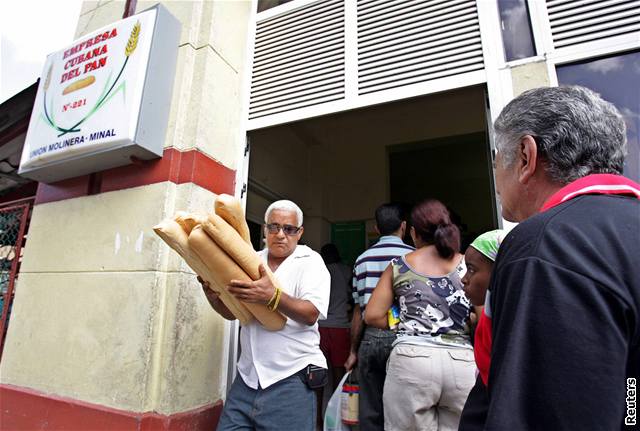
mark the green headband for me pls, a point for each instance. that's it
(489, 242)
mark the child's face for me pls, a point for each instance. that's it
(476, 280)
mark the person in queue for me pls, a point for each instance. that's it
(564, 293)
(370, 347)
(431, 369)
(334, 330)
(279, 371)
(479, 258)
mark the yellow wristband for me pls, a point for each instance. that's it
(273, 297)
(274, 305)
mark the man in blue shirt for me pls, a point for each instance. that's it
(370, 347)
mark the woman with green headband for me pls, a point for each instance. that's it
(479, 257)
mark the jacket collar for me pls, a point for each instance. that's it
(604, 184)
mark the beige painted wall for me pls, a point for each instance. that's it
(104, 311)
(528, 76)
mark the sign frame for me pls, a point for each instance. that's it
(144, 130)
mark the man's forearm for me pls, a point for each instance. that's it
(357, 328)
(222, 309)
(213, 298)
(300, 310)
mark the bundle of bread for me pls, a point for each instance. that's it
(218, 248)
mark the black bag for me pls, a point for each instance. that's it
(314, 377)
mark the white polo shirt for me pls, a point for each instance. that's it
(270, 356)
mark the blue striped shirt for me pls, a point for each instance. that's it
(371, 264)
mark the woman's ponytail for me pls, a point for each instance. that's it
(447, 240)
(432, 222)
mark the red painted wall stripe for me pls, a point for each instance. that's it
(27, 409)
(179, 167)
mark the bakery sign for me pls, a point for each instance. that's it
(104, 99)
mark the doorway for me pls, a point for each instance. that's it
(339, 168)
(453, 170)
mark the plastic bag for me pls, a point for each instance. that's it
(333, 413)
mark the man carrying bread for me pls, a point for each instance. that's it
(279, 370)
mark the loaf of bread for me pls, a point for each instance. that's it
(79, 84)
(223, 269)
(172, 233)
(230, 209)
(242, 253)
(188, 221)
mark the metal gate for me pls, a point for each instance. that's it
(14, 217)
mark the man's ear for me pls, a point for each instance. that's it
(300, 232)
(412, 233)
(377, 230)
(527, 159)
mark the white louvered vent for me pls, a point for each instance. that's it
(404, 42)
(578, 21)
(298, 59)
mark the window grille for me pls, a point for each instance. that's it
(578, 21)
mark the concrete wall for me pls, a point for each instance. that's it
(108, 314)
(104, 311)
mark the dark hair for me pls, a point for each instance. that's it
(389, 217)
(432, 223)
(330, 254)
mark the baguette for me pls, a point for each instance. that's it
(188, 221)
(241, 252)
(226, 270)
(230, 209)
(79, 85)
(176, 238)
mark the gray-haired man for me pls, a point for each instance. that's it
(565, 291)
(277, 370)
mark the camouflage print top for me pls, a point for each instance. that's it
(433, 310)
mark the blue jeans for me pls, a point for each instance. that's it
(373, 353)
(286, 405)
